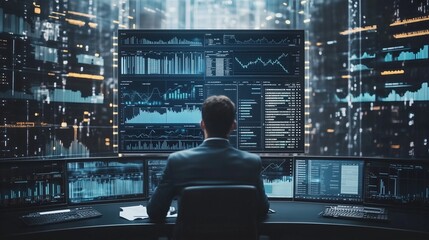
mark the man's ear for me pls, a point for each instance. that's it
(233, 126)
(202, 125)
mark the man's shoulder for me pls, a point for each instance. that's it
(249, 155)
(183, 153)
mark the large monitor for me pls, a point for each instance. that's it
(397, 182)
(277, 176)
(32, 183)
(164, 76)
(330, 179)
(104, 179)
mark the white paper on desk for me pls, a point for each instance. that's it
(139, 212)
(133, 212)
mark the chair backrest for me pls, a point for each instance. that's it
(217, 212)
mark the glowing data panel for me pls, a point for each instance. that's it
(164, 76)
(401, 53)
(326, 179)
(266, 63)
(277, 175)
(160, 138)
(181, 39)
(397, 182)
(153, 63)
(239, 38)
(160, 93)
(98, 180)
(31, 184)
(167, 115)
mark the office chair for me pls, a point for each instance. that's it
(217, 212)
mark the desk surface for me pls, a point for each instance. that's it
(300, 219)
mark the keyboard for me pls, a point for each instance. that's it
(58, 216)
(356, 212)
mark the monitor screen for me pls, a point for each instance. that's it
(329, 179)
(397, 182)
(155, 167)
(32, 183)
(93, 180)
(165, 75)
(277, 175)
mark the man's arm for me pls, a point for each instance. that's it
(264, 204)
(159, 204)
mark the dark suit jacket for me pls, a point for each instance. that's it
(215, 160)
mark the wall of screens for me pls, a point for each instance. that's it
(369, 78)
(367, 84)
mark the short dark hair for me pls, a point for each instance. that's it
(218, 114)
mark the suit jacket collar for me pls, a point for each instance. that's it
(216, 142)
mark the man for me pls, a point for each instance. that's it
(215, 160)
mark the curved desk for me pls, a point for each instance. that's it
(292, 220)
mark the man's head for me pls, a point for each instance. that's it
(218, 114)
